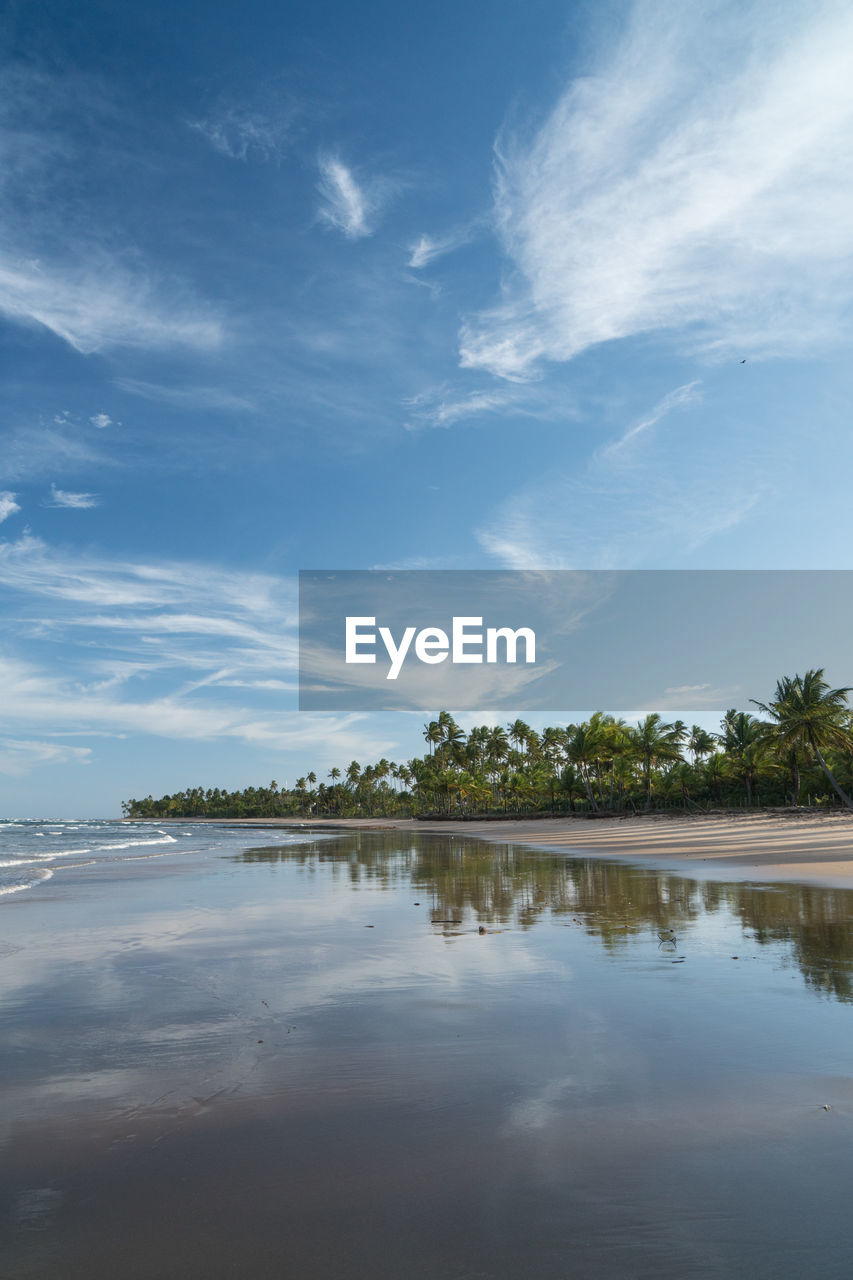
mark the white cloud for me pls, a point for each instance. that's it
(102, 420)
(18, 758)
(240, 131)
(77, 501)
(93, 304)
(62, 265)
(699, 183)
(349, 206)
(33, 451)
(198, 398)
(178, 642)
(435, 409)
(629, 507)
(8, 505)
(676, 399)
(427, 249)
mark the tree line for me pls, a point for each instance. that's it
(797, 749)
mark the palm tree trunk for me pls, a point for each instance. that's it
(842, 795)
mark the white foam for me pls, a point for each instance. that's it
(132, 844)
(18, 888)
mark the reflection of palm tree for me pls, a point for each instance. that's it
(811, 717)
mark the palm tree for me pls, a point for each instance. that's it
(746, 742)
(700, 743)
(655, 743)
(582, 751)
(809, 716)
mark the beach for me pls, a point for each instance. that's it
(236, 1049)
(812, 847)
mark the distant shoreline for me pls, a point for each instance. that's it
(809, 846)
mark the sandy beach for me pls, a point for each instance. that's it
(805, 846)
(366, 1054)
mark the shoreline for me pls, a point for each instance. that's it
(811, 847)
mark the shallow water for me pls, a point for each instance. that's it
(306, 1060)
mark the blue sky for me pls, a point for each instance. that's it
(305, 286)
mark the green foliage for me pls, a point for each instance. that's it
(804, 751)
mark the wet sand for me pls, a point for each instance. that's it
(813, 848)
(380, 1054)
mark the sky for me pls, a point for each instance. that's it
(289, 286)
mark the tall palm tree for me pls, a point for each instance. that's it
(433, 734)
(746, 742)
(655, 743)
(700, 743)
(809, 716)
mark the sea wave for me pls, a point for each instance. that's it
(130, 844)
(44, 874)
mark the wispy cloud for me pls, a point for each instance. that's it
(18, 758)
(440, 408)
(350, 206)
(200, 398)
(62, 265)
(427, 249)
(629, 507)
(699, 183)
(8, 505)
(102, 420)
(241, 132)
(92, 303)
(78, 501)
(33, 451)
(677, 399)
(158, 648)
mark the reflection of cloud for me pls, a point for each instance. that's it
(542, 1109)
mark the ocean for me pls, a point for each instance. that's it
(34, 850)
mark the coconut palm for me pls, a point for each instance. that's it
(655, 743)
(747, 746)
(700, 743)
(810, 717)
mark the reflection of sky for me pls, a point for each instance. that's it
(129, 995)
(564, 1054)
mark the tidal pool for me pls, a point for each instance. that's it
(395, 1055)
